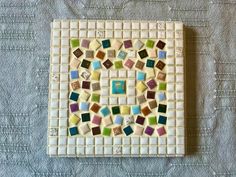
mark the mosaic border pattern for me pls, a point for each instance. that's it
(60, 144)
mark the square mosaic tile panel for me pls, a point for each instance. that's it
(116, 89)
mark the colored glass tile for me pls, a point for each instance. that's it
(152, 120)
(107, 64)
(85, 64)
(143, 53)
(141, 76)
(162, 86)
(96, 64)
(118, 87)
(162, 119)
(86, 85)
(118, 120)
(105, 111)
(74, 96)
(122, 54)
(128, 130)
(160, 44)
(106, 43)
(151, 94)
(118, 64)
(151, 84)
(96, 131)
(74, 74)
(149, 130)
(95, 108)
(150, 63)
(73, 131)
(150, 43)
(162, 108)
(100, 55)
(115, 110)
(96, 120)
(128, 44)
(161, 131)
(78, 53)
(95, 97)
(85, 117)
(75, 85)
(140, 120)
(146, 111)
(162, 54)
(74, 43)
(74, 107)
(136, 109)
(160, 65)
(106, 131)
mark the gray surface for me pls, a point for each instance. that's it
(24, 64)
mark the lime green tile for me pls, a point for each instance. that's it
(95, 97)
(162, 86)
(152, 120)
(150, 43)
(106, 131)
(118, 64)
(74, 43)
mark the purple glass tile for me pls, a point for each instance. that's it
(74, 107)
(149, 130)
(152, 84)
(140, 120)
(85, 43)
(128, 44)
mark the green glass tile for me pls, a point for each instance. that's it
(74, 43)
(150, 43)
(150, 63)
(95, 97)
(152, 120)
(106, 131)
(162, 86)
(118, 64)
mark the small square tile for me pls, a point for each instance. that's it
(84, 128)
(150, 63)
(85, 75)
(141, 76)
(152, 104)
(111, 53)
(162, 96)
(150, 43)
(136, 109)
(100, 55)
(73, 131)
(74, 96)
(162, 108)
(95, 97)
(141, 86)
(118, 64)
(160, 65)
(131, 54)
(141, 99)
(115, 110)
(107, 121)
(75, 85)
(107, 64)
(161, 131)
(122, 100)
(117, 44)
(162, 120)
(85, 43)
(161, 76)
(122, 55)
(105, 111)
(128, 119)
(162, 86)
(138, 44)
(128, 130)
(78, 53)
(149, 130)
(152, 120)
(85, 84)
(74, 107)
(129, 63)
(151, 84)
(128, 44)
(74, 43)
(96, 65)
(106, 43)
(96, 131)
(96, 86)
(160, 44)
(85, 64)
(95, 44)
(162, 54)
(139, 64)
(138, 130)
(95, 108)
(84, 96)
(152, 53)
(143, 53)
(85, 117)
(125, 110)
(96, 120)
(74, 74)
(95, 75)
(146, 111)
(74, 63)
(84, 106)
(117, 130)
(89, 54)
(151, 94)
(118, 120)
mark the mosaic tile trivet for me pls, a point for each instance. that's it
(116, 88)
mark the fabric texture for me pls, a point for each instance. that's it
(210, 30)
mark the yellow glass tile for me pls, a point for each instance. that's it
(141, 86)
(95, 75)
(74, 119)
(125, 110)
